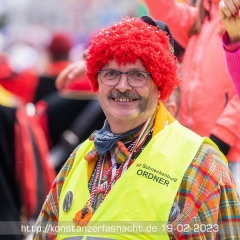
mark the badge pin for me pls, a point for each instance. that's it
(68, 200)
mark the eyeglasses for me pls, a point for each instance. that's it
(111, 77)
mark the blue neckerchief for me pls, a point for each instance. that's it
(104, 139)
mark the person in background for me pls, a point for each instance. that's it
(22, 82)
(142, 166)
(71, 72)
(229, 11)
(74, 100)
(209, 104)
(178, 49)
(26, 174)
(58, 58)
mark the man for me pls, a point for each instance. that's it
(143, 175)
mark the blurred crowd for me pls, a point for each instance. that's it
(41, 123)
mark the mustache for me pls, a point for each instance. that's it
(127, 95)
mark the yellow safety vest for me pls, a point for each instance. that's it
(139, 203)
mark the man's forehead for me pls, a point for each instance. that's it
(114, 64)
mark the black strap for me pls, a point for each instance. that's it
(70, 137)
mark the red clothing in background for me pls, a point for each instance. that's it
(209, 104)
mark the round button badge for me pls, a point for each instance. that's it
(68, 201)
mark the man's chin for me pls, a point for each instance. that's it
(126, 115)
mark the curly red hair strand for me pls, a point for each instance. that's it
(129, 40)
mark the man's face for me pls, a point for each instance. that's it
(124, 103)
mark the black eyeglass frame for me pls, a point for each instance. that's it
(100, 71)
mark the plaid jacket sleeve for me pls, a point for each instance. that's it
(48, 217)
(208, 202)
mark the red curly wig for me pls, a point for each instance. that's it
(129, 40)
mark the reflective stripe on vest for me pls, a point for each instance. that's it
(144, 194)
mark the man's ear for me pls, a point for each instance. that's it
(171, 107)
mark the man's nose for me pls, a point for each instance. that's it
(123, 84)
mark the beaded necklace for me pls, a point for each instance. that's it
(83, 216)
